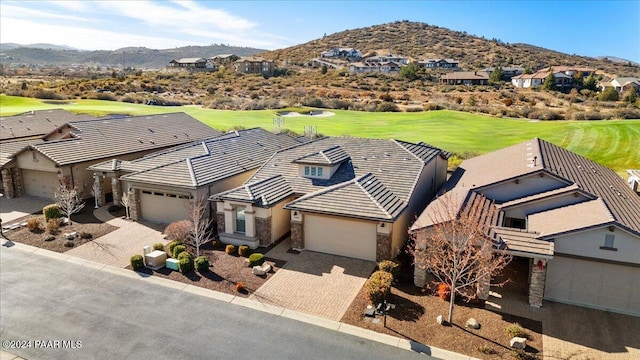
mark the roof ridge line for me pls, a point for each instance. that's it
(357, 182)
(191, 172)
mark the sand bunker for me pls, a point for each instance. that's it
(314, 113)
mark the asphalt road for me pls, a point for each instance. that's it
(105, 316)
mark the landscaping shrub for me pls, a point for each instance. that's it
(515, 330)
(172, 246)
(390, 267)
(52, 226)
(178, 230)
(33, 224)
(230, 249)
(243, 250)
(51, 212)
(486, 349)
(184, 255)
(240, 287)
(68, 243)
(202, 264)
(444, 291)
(177, 250)
(519, 354)
(256, 259)
(185, 264)
(86, 235)
(387, 107)
(49, 238)
(137, 262)
(379, 286)
(158, 246)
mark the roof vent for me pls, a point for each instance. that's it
(364, 158)
(140, 141)
(153, 142)
(387, 154)
(150, 130)
(48, 119)
(175, 136)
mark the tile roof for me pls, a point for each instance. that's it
(558, 221)
(208, 161)
(466, 75)
(363, 197)
(103, 138)
(394, 164)
(8, 149)
(523, 241)
(265, 193)
(331, 156)
(36, 123)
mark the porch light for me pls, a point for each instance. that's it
(540, 265)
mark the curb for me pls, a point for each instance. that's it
(245, 302)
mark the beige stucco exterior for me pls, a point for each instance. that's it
(521, 187)
(588, 243)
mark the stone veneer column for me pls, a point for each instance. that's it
(7, 183)
(115, 190)
(220, 222)
(134, 206)
(383, 247)
(297, 235)
(419, 276)
(18, 185)
(538, 278)
(263, 231)
(100, 195)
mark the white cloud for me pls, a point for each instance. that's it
(19, 12)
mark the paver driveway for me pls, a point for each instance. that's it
(314, 283)
(117, 247)
(12, 209)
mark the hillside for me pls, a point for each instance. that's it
(420, 40)
(135, 57)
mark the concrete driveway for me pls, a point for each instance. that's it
(12, 209)
(314, 283)
(117, 247)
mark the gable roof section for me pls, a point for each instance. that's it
(264, 193)
(8, 149)
(331, 156)
(207, 161)
(562, 220)
(36, 123)
(102, 138)
(363, 197)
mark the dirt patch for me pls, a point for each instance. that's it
(414, 318)
(83, 222)
(223, 275)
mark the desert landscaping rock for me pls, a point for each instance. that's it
(473, 323)
(440, 320)
(518, 343)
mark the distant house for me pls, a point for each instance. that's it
(388, 67)
(223, 59)
(634, 180)
(537, 79)
(342, 53)
(254, 65)
(508, 71)
(188, 63)
(465, 78)
(570, 70)
(389, 58)
(438, 64)
(625, 83)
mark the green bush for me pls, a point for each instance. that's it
(185, 264)
(158, 246)
(51, 212)
(256, 259)
(202, 264)
(137, 262)
(86, 235)
(390, 267)
(49, 238)
(68, 243)
(243, 250)
(171, 246)
(34, 224)
(379, 286)
(177, 250)
(515, 330)
(230, 249)
(184, 255)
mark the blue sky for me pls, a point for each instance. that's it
(590, 28)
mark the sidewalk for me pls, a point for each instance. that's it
(249, 303)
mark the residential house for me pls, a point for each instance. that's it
(562, 80)
(162, 183)
(465, 78)
(634, 180)
(22, 130)
(573, 221)
(622, 84)
(189, 63)
(66, 153)
(388, 58)
(438, 64)
(255, 65)
(223, 60)
(345, 196)
(570, 70)
(508, 71)
(367, 67)
(342, 53)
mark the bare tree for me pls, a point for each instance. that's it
(457, 249)
(95, 191)
(68, 200)
(126, 202)
(197, 210)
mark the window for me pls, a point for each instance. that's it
(306, 171)
(514, 223)
(240, 220)
(319, 171)
(608, 242)
(313, 171)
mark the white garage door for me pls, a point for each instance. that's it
(40, 183)
(593, 284)
(163, 207)
(333, 235)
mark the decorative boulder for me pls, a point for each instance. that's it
(247, 263)
(518, 343)
(440, 320)
(473, 323)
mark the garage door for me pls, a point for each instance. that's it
(40, 183)
(163, 207)
(593, 284)
(333, 235)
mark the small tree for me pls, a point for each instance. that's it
(197, 211)
(95, 191)
(68, 200)
(609, 94)
(126, 202)
(549, 82)
(590, 83)
(410, 72)
(457, 249)
(496, 75)
(323, 69)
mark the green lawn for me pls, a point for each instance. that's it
(614, 143)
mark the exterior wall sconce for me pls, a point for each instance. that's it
(611, 228)
(517, 181)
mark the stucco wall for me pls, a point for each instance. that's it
(26, 161)
(280, 220)
(527, 185)
(588, 244)
(230, 183)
